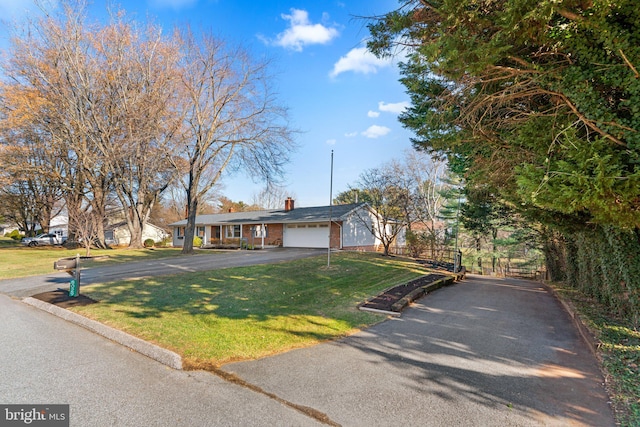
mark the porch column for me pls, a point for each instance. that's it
(262, 234)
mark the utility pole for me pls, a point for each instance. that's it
(330, 211)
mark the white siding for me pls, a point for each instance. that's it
(356, 233)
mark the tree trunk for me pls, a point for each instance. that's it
(189, 230)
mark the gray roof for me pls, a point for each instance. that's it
(313, 214)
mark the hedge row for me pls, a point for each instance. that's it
(604, 263)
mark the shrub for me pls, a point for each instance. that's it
(197, 242)
(149, 243)
(165, 243)
(416, 243)
(15, 235)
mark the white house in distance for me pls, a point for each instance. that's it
(294, 228)
(116, 231)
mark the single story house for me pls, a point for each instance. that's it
(349, 226)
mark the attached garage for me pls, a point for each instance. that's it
(309, 235)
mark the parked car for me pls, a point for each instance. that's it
(44, 240)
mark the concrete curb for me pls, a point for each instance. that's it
(153, 351)
(585, 332)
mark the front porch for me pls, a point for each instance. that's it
(240, 236)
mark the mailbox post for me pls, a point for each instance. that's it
(71, 266)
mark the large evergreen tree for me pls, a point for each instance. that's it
(537, 99)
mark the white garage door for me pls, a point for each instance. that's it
(306, 235)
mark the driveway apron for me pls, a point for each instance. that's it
(484, 352)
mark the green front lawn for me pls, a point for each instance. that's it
(20, 261)
(219, 316)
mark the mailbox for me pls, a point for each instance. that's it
(72, 266)
(65, 264)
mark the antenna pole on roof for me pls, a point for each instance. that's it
(330, 211)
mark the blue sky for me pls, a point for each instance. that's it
(340, 97)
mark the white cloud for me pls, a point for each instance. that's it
(331, 141)
(359, 60)
(376, 131)
(373, 114)
(302, 32)
(351, 134)
(396, 108)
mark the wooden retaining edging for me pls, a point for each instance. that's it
(398, 306)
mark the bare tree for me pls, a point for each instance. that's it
(29, 180)
(232, 120)
(87, 227)
(134, 114)
(425, 177)
(388, 199)
(271, 196)
(106, 98)
(48, 70)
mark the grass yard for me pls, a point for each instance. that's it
(220, 316)
(20, 261)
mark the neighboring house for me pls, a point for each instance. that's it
(115, 232)
(118, 234)
(59, 225)
(6, 228)
(300, 227)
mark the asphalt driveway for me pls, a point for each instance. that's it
(28, 286)
(483, 352)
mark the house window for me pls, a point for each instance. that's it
(260, 231)
(200, 231)
(180, 232)
(232, 231)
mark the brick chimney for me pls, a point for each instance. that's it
(288, 204)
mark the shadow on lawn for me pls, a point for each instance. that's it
(275, 290)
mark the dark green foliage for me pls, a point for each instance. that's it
(149, 243)
(537, 99)
(604, 262)
(352, 195)
(536, 103)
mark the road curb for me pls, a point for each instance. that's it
(587, 335)
(164, 356)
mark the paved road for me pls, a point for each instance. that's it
(24, 287)
(484, 352)
(45, 360)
